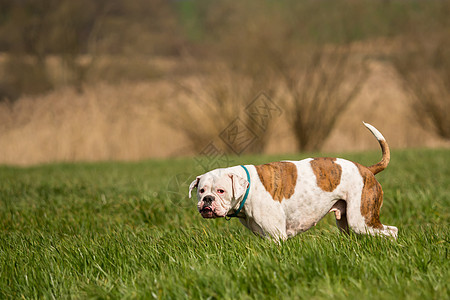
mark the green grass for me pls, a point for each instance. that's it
(128, 230)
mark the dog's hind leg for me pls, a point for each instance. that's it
(363, 210)
(340, 212)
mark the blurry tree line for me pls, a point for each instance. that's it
(77, 33)
(301, 53)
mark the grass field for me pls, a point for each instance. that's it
(128, 230)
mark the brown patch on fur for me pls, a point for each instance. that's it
(279, 179)
(328, 173)
(386, 157)
(371, 198)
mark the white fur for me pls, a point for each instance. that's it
(375, 132)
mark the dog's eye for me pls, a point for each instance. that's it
(202, 191)
(220, 191)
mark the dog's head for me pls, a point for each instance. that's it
(218, 191)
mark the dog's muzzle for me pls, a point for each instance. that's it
(207, 211)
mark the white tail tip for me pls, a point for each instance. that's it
(375, 132)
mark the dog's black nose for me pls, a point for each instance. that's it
(208, 200)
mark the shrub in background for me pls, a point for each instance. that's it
(424, 66)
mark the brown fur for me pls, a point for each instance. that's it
(371, 198)
(279, 179)
(378, 167)
(328, 173)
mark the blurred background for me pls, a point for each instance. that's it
(135, 79)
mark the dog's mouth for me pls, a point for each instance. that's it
(207, 212)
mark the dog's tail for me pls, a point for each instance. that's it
(377, 168)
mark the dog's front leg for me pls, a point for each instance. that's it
(272, 226)
(274, 232)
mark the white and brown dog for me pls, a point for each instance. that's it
(285, 198)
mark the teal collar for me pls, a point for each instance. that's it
(245, 196)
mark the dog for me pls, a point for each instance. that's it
(279, 200)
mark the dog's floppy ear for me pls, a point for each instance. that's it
(193, 185)
(239, 185)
